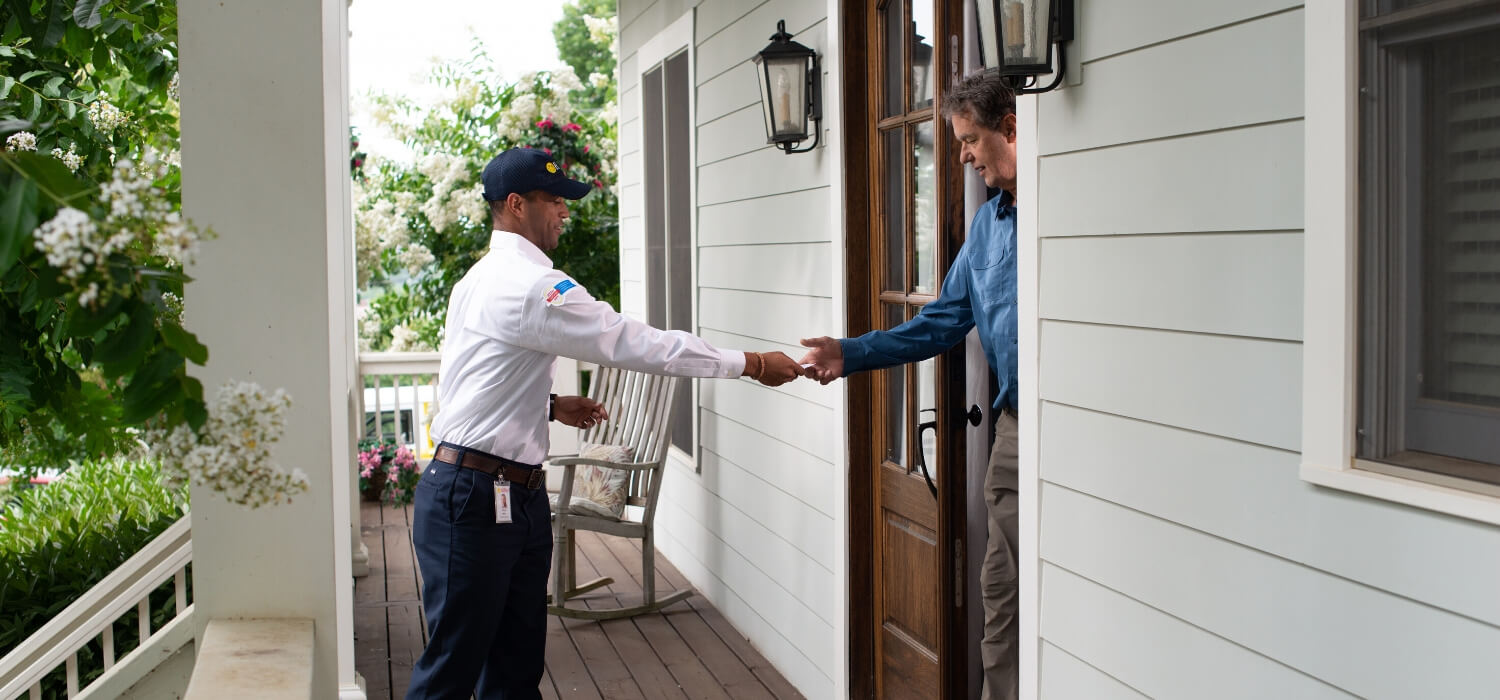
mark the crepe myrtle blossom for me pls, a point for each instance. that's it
(106, 117)
(231, 454)
(21, 141)
(70, 159)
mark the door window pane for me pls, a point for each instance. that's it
(895, 395)
(895, 210)
(922, 41)
(924, 206)
(894, 23)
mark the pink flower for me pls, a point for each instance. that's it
(570, 126)
(545, 123)
(598, 184)
(548, 150)
(585, 148)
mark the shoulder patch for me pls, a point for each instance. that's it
(554, 296)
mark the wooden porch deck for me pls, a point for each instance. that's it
(686, 651)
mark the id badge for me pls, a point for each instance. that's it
(502, 501)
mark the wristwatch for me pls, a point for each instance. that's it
(551, 407)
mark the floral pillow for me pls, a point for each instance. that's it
(599, 491)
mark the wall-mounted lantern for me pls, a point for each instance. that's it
(790, 96)
(1017, 37)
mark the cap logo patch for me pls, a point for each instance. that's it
(551, 167)
(553, 297)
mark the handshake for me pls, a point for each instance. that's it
(824, 362)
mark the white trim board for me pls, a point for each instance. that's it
(1330, 282)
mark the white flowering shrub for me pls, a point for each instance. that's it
(231, 453)
(420, 226)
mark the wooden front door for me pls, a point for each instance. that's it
(907, 568)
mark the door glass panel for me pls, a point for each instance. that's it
(895, 395)
(921, 54)
(926, 405)
(924, 205)
(895, 211)
(894, 21)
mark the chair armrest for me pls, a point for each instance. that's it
(569, 462)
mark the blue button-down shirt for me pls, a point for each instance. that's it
(980, 289)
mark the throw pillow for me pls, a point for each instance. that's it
(599, 491)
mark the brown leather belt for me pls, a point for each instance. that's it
(524, 475)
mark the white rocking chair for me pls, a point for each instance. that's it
(640, 408)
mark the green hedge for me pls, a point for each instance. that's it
(57, 541)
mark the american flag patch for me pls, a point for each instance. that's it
(553, 297)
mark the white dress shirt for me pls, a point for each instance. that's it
(508, 320)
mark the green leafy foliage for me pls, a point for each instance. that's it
(86, 358)
(59, 540)
(577, 47)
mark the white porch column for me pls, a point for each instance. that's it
(265, 164)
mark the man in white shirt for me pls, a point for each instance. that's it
(482, 530)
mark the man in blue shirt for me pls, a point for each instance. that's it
(979, 290)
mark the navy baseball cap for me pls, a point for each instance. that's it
(522, 170)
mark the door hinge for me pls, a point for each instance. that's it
(958, 572)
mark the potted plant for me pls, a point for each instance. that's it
(402, 475)
(373, 458)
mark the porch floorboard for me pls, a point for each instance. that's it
(688, 650)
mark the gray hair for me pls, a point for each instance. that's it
(983, 98)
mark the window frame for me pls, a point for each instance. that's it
(676, 38)
(1331, 292)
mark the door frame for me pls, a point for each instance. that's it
(859, 114)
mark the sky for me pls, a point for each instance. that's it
(392, 47)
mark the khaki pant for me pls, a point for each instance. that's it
(998, 578)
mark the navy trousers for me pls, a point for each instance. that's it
(484, 587)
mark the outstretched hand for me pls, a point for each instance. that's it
(578, 411)
(824, 359)
(779, 369)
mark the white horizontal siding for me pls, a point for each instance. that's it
(1156, 654)
(1236, 284)
(1240, 388)
(1366, 641)
(726, 49)
(1238, 180)
(805, 426)
(779, 318)
(800, 645)
(791, 217)
(762, 173)
(757, 524)
(1242, 74)
(1252, 495)
(784, 268)
(1064, 676)
(727, 92)
(733, 134)
(1116, 27)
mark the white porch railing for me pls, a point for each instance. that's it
(403, 398)
(94, 615)
(400, 391)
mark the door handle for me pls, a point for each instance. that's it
(974, 415)
(922, 454)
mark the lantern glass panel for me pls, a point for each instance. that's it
(787, 82)
(765, 100)
(1024, 33)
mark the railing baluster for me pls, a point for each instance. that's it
(143, 611)
(36, 691)
(108, 640)
(72, 674)
(379, 429)
(181, 580)
(396, 390)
